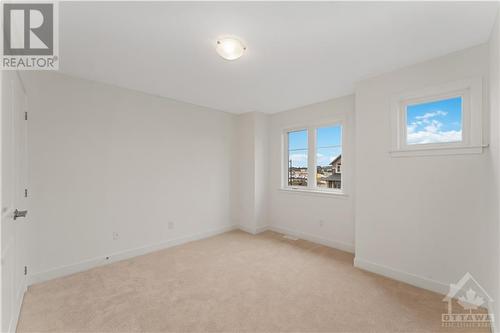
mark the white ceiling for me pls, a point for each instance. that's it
(298, 53)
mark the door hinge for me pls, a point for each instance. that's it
(25, 192)
(25, 115)
(25, 270)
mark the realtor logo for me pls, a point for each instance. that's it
(30, 39)
(468, 305)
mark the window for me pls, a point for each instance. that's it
(297, 158)
(434, 122)
(438, 120)
(314, 158)
(328, 157)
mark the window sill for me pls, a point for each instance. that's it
(335, 194)
(438, 151)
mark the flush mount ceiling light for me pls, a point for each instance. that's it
(230, 48)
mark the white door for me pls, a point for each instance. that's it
(14, 199)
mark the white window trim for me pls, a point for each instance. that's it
(470, 90)
(311, 159)
(315, 192)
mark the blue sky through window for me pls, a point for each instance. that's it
(434, 122)
(297, 148)
(329, 144)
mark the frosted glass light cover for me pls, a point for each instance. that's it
(230, 48)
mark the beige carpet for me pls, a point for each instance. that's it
(228, 283)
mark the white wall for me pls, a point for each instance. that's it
(495, 142)
(251, 174)
(424, 220)
(244, 173)
(261, 129)
(105, 159)
(300, 213)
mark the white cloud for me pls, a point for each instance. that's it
(411, 127)
(425, 129)
(324, 160)
(430, 115)
(301, 159)
(417, 133)
(433, 126)
(298, 157)
(420, 137)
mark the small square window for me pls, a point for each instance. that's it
(438, 121)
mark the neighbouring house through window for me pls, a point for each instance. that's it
(329, 157)
(322, 171)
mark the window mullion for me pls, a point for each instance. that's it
(284, 178)
(311, 157)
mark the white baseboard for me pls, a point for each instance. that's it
(414, 280)
(389, 272)
(122, 255)
(247, 229)
(327, 242)
(253, 231)
(258, 230)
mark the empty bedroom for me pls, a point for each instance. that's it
(250, 166)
